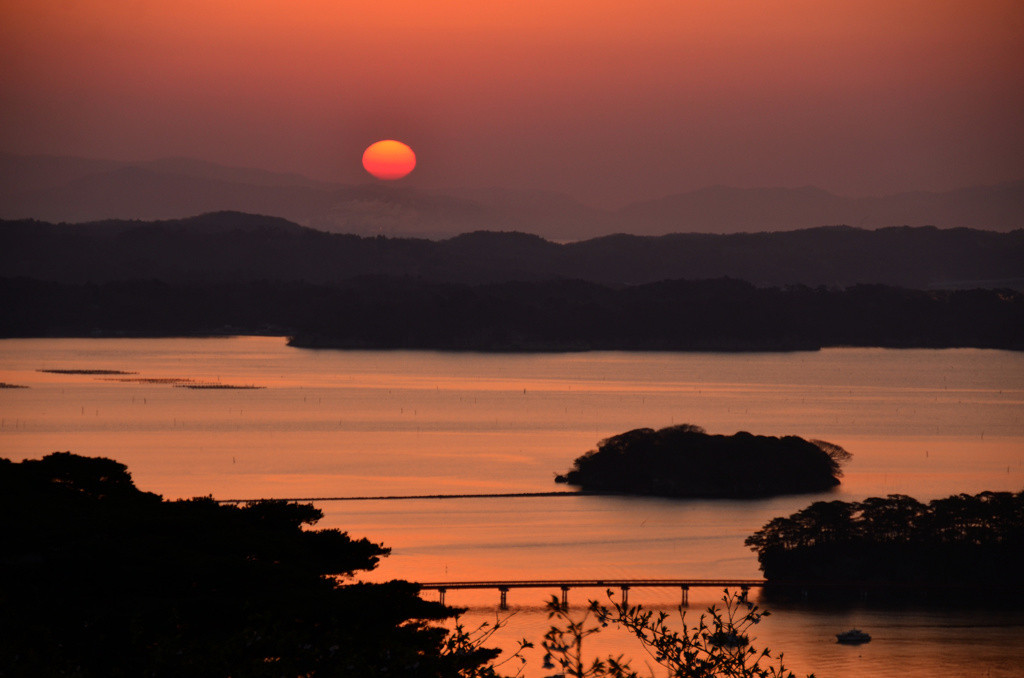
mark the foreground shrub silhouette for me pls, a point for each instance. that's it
(684, 461)
(98, 578)
(718, 646)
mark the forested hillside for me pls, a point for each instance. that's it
(379, 312)
(241, 247)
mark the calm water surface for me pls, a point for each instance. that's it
(332, 424)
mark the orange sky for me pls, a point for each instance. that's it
(607, 101)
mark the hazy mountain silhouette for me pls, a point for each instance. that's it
(231, 246)
(725, 210)
(81, 190)
(545, 213)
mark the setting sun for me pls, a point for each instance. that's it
(389, 159)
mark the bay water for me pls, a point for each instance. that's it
(335, 424)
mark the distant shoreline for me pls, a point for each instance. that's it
(721, 316)
(483, 495)
(508, 292)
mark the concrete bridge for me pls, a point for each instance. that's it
(624, 585)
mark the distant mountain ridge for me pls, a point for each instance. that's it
(77, 190)
(237, 247)
(721, 209)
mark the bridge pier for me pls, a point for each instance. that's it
(504, 597)
(441, 593)
(744, 590)
(686, 596)
(625, 595)
(565, 597)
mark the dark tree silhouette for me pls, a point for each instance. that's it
(98, 578)
(960, 541)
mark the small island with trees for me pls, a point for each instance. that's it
(898, 544)
(685, 461)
